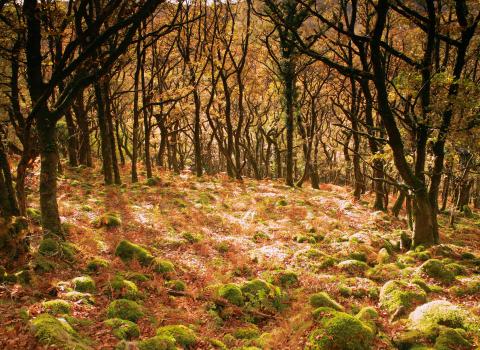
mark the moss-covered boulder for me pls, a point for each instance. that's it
(123, 329)
(124, 309)
(124, 288)
(467, 286)
(383, 272)
(57, 332)
(441, 312)
(323, 299)
(384, 256)
(232, 293)
(339, 331)
(176, 285)
(452, 339)
(353, 267)
(128, 251)
(109, 220)
(261, 294)
(163, 266)
(50, 247)
(57, 306)
(84, 284)
(73, 295)
(437, 270)
(159, 342)
(96, 264)
(369, 316)
(285, 279)
(399, 294)
(250, 332)
(184, 336)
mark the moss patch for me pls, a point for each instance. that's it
(396, 294)
(323, 299)
(51, 331)
(84, 284)
(123, 329)
(57, 307)
(157, 343)
(128, 251)
(232, 293)
(183, 335)
(109, 220)
(436, 269)
(124, 309)
(338, 330)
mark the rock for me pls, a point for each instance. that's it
(123, 329)
(79, 296)
(183, 335)
(57, 307)
(232, 293)
(339, 331)
(128, 251)
(395, 294)
(176, 285)
(286, 279)
(436, 269)
(54, 248)
(108, 220)
(159, 342)
(250, 332)
(383, 272)
(124, 309)
(383, 256)
(452, 339)
(322, 299)
(369, 316)
(263, 295)
(52, 331)
(468, 286)
(162, 266)
(96, 264)
(84, 284)
(353, 267)
(124, 288)
(442, 312)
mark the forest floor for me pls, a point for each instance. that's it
(219, 232)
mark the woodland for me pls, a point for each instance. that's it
(240, 174)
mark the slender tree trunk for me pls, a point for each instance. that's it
(84, 149)
(104, 135)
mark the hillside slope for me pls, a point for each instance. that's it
(238, 263)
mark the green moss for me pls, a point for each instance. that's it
(369, 316)
(84, 284)
(360, 256)
(137, 277)
(441, 312)
(340, 331)
(384, 256)
(108, 220)
(54, 248)
(436, 269)
(57, 306)
(469, 286)
(128, 251)
(232, 293)
(51, 331)
(383, 272)
(456, 269)
(261, 294)
(353, 267)
(282, 203)
(97, 264)
(86, 207)
(79, 296)
(35, 215)
(452, 339)
(422, 284)
(162, 266)
(153, 181)
(41, 264)
(124, 309)
(250, 332)
(191, 237)
(322, 299)
(286, 279)
(125, 288)
(176, 285)
(157, 343)
(217, 344)
(183, 335)
(123, 329)
(396, 294)
(304, 239)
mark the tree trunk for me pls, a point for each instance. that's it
(104, 135)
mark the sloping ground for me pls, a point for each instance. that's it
(220, 236)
